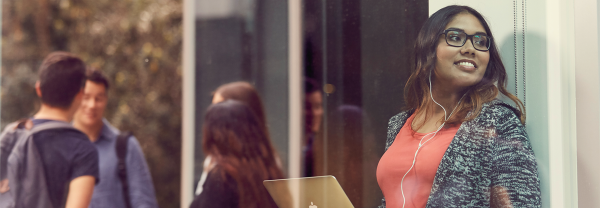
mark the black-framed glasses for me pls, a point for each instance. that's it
(458, 38)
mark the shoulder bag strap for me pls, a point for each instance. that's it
(121, 148)
(52, 125)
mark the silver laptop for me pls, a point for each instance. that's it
(309, 192)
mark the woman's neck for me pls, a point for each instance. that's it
(446, 97)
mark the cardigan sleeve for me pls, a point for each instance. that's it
(394, 125)
(514, 175)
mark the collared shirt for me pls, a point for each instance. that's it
(109, 192)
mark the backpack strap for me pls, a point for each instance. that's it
(52, 125)
(43, 127)
(121, 149)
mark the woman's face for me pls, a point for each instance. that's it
(457, 68)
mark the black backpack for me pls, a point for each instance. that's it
(21, 165)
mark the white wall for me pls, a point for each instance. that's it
(555, 18)
(588, 101)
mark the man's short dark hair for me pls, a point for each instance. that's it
(61, 77)
(96, 76)
(311, 85)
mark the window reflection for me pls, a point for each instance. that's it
(359, 52)
(313, 117)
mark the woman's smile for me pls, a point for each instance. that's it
(466, 65)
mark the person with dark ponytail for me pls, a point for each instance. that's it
(241, 157)
(456, 144)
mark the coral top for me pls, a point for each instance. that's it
(398, 159)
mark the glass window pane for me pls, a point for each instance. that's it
(243, 41)
(359, 52)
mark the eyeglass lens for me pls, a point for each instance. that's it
(458, 38)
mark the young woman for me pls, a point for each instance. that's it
(241, 158)
(456, 145)
(245, 93)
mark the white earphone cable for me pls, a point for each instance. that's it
(421, 144)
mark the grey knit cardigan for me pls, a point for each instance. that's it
(489, 163)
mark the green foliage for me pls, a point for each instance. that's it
(136, 43)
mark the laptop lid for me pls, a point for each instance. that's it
(309, 192)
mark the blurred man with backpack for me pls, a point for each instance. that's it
(50, 163)
(125, 180)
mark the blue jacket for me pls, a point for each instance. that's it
(109, 192)
(489, 163)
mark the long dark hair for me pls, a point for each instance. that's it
(416, 92)
(239, 147)
(247, 94)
